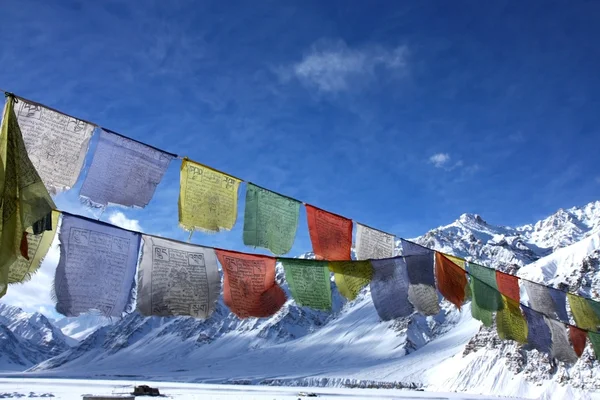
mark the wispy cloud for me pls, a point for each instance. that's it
(333, 66)
(440, 160)
(119, 219)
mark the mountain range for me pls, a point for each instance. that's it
(350, 345)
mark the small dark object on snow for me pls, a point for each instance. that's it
(145, 390)
(305, 394)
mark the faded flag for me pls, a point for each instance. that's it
(561, 349)
(389, 288)
(249, 287)
(330, 234)
(583, 313)
(207, 198)
(351, 276)
(373, 244)
(578, 338)
(309, 282)
(510, 322)
(176, 278)
(270, 220)
(96, 270)
(539, 336)
(124, 171)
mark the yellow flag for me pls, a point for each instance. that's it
(351, 276)
(38, 246)
(584, 315)
(24, 198)
(458, 261)
(207, 198)
(510, 322)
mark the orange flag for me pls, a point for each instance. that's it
(330, 234)
(508, 285)
(578, 337)
(451, 280)
(249, 287)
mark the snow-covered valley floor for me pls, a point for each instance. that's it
(74, 389)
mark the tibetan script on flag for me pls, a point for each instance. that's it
(373, 244)
(330, 234)
(96, 270)
(351, 276)
(309, 282)
(175, 278)
(270, 220)
(249, 287)
(207, 198)
(510, 322)
(124, 172)
(56, 144)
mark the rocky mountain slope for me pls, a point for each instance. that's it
(350, 344)
(27, 339)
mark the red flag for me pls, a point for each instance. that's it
(578, 337)
(330, 234)
(249, 287)
(451, 280)
(24, 246)
(508, 285)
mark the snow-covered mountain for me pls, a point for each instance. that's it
(79, 328)
(450, 351)
(27, 339)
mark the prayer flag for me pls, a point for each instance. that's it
(56, 143)
(330, 234)
(207, 198)
(542, 299)
(270, 220)
(595, 341)
(249, 287)
(561, 349)
(420, 269)
(96, 270)
(583, 313)
(594, 305)
(413, 249)
(451, 280)
(309, 282)
(510, 322)
(351, 276)
(373, 244)
(124, 171)
(577, 337)
(484, 288)
(456, 260)
(176, 278)
(480, 314)
(539, 336)
(37, 247)
(389, 288)
(508, 285)
(24, 200)
(424, 298)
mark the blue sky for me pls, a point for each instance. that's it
(401, 115)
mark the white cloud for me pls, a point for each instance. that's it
(119, 219)
(440, 160)
(335, 67)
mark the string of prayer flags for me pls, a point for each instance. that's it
(330, 234)
(413, 249)
(373, 244)
(578, 338)
(124, 171)
(538, 333)
(485, 288)
(542, 301)
(421, 290)
(56, 144)
(177, 279)
(351, 276)
(559, 298)
(96, 269)
(207, 198)
(389, 288)
(510, 323)
(508, 285)
(249, 287)
(270, 220)
(561, 349)
(583, 313)
(37, 247)
(595, 341)
(24, 200)
(451, 280)
(309, 282)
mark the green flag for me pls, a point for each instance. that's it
(270, 220)
(484, 288)
(477, 312)
(309, 282)
(595, 340)
(24, 199)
